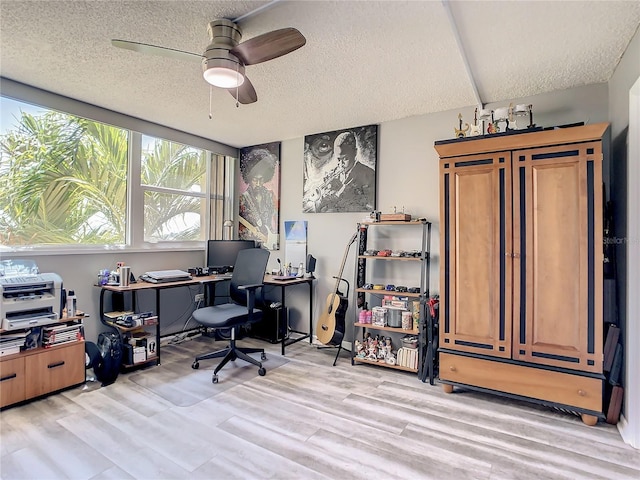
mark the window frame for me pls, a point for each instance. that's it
(221, 160)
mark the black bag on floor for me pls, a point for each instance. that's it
(110, 348)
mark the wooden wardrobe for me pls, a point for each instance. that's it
(521, 252)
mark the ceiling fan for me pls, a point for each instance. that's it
(225, 58)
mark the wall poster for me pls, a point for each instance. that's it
(259, 210)
(339, 173)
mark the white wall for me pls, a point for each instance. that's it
(624, 101)
(408, 177)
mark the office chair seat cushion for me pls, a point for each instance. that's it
(225, 315)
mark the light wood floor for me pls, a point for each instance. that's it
(304, 420)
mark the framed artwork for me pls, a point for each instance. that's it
(295, 238)
(339, 173)
(259, 209)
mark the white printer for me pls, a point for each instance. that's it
(30, 300)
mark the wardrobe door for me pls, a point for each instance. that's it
(475, 247)
(557, 194)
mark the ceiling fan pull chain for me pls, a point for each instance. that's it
(210, 95)
(237, 89)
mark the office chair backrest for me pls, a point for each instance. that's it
(250, 267)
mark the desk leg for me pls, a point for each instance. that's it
(158, 326)
(310, 312)
(285, 341)
(285, 325)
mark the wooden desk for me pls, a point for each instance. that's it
(156, 287)
(283, 284)
(268, 280)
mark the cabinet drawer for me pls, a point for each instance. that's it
(12, 381)
(54, 369)
(563, 388)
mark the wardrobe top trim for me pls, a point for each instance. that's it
(558, 136)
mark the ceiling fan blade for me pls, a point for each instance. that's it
(155, 50)
(246, 92)
(269, 46)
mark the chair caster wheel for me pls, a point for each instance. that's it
(195, 365)
(214, 379)
(262, 371)
(263, 356)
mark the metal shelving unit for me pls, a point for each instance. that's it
(426, 329)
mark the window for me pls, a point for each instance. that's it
(173, 179)
(67, 180)
(63, 180)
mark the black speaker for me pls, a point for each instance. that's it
(311, 264)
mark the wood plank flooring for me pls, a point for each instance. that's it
(304, 420)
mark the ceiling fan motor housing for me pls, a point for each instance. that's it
(221, 67)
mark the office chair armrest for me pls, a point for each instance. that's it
(251, 296)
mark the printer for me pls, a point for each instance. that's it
(30, 300)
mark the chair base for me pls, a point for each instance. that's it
(231, 353)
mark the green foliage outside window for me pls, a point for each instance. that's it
(63, 181)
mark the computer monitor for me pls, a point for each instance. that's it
(221, 254)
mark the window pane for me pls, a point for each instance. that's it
(62, 178)
(171, 217)
(173, 165)
(173, 177)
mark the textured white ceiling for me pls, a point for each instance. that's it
(365, 62)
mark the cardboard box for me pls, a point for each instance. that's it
(139, 354)
(395, 217)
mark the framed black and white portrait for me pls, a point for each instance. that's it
(259, 209)
(339, 173)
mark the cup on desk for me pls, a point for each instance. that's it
(125, 275)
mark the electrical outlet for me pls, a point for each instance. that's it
(199, 297)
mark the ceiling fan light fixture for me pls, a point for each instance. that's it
(221, 68)
(223, 77)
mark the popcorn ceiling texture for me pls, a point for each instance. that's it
(365, 62)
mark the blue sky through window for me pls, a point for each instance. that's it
(11, 113)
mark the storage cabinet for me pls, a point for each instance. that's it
(375, 269)
(54, 369)
(521, 266)
(40, 371)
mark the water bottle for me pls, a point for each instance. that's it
(71, 304)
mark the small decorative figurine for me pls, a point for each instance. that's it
(475, 128)
(511, 123)
(461, 132)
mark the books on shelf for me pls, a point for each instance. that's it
(59, 334)
(407, 357)
(11, 343)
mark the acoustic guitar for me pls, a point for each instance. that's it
(330, 327)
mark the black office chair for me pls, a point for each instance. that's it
(245, 294)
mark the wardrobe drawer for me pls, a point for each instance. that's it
(557, 387)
